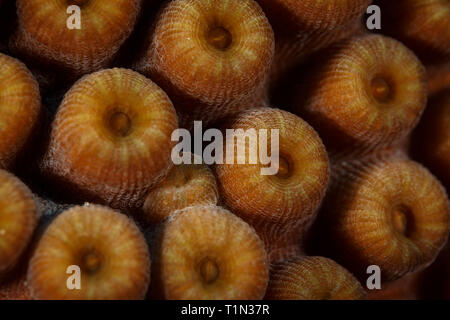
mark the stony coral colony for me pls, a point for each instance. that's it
(87, 179)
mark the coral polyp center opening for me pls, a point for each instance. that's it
(79, 3)
(401, 219)
(284, 168)
(184, 179)
(90, 262)
(219, 37)
(120, 124)
(381, 89)
(209, 270)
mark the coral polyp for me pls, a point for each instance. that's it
(43, 34)
(184, 186)
(206, 252)
(303, 27)
(111, 138)
(394, 214)
(282, 205)
(228, 46)
(20, 106)
(423, 25)
(18, 219)
(366, 93)
(309, 15)
(107, 247)
(313, 278)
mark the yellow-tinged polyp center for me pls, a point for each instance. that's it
(209, 270)
(183, 178)
(120, 124)
(179, 176)
(90, 262)
(402, 220)
(219, 37)
(283, 168)
(381, 89)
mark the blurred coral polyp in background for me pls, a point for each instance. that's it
(92, 205)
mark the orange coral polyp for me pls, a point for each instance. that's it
(44, 36)
(108, 248)
(393, 214)
(313, 278)
(184, 186)
(302, 174)
(229, 71)
(281, 206)
(112, 137)
(20, 107)
(366, 93)
(18, 219)
(423, 25)
(228, 46)
(311, 15)
(303, 27)
(206, 252)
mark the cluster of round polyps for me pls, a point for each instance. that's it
(392, 213)
(44, 36)
(313, 278)
(365, 93)
(18, 219)
(305, 26)
(209, 253)
(211, 56)
(111, 143)
(432, 138)
(423, 25)
(184, 186)
(20, 105)
(280, 206)
(111, 138)
(107, 247)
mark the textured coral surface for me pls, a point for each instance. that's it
(314, 149)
